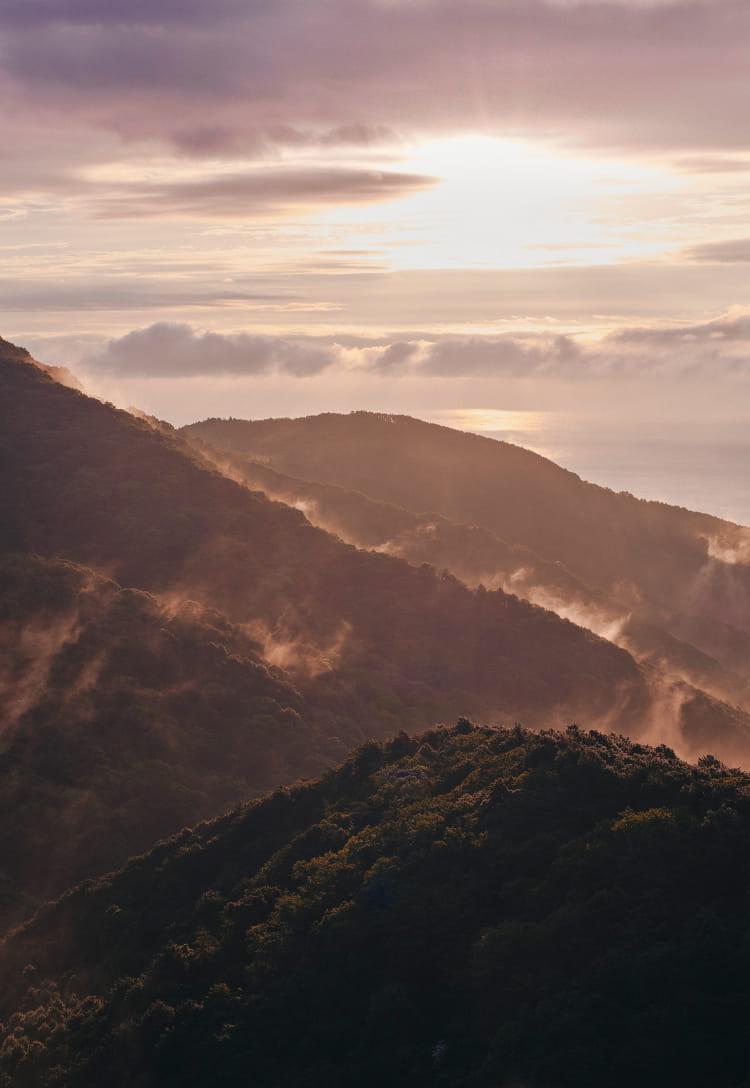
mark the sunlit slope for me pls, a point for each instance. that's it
(468, 907)
(474, 554)
(122, 719)
(479, 557)
(59, 373)
(379, 643)
(686, 571)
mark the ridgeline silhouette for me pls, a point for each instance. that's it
(469, 907)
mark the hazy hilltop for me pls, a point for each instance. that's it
(478, 556)
(468, 907)
(59, 373)
(684, 572)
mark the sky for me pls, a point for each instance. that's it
(274, 207)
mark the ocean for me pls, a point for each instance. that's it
(699, 464)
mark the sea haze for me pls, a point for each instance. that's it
(701, 465)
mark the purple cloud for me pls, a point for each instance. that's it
(612, 74)
(707, 351)
(263, 191)
(730, 251)
(36, 13)
(174, 350)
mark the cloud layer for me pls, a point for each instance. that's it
(716, 349)
(238, 74)
(175, 350)
(263, 192)
(216, 163)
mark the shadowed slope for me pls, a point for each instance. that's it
(126, 714)
(470, 907)
(123, 719)
(377, 643)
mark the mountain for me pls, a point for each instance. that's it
(59, 374)
(375, 644)
(124, 717)
(470, 907)
(173, 642)
(477, 556)
(684, 572)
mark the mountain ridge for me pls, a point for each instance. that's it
(477, 557)
(678, 570)
(468, 906)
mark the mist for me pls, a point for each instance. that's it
(31, 650)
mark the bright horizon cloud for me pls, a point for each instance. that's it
(541, 200)
(178, 373)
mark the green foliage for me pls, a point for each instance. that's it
(469, 907)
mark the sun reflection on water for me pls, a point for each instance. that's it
(497, 420)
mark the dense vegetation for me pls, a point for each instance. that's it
(377, 644)
(124, 720)
(478, 556)
(474, 907)
(662, 562)
(128, 711)
(471, 907)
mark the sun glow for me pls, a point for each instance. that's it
(509, 203)
(481, 420)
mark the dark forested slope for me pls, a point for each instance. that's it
(472, 907)
(682, 570)
(123, 719)
(377, 644)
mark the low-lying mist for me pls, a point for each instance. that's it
(675, 665)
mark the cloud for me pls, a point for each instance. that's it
(114, 12)
(731, 328)
(113, 293)
(243, 289)
(712, 164)
(714, 350)
(175, 350)
(264, 191)
(558, 356)
(395, 358)
(731, 251)
(628, 74)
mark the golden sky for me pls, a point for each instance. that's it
(379, 203)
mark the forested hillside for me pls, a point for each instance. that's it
(682, 571)
(123, 719)
(375, 644)
(469, 907)
(173, 642)
(478, 556)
